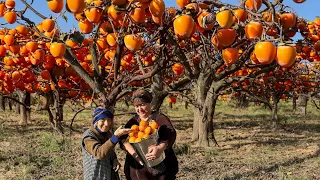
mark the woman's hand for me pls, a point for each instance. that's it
(121, 131)
(154, 152)
(116, 165)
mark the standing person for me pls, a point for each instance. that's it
(133, 168)
(99, 159)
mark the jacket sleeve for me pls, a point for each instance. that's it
(98, 150)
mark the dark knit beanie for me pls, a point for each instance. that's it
(101, 113)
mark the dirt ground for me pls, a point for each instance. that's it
(248, 147)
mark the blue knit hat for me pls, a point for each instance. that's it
(101, 113)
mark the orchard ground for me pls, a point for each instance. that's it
(248, 148)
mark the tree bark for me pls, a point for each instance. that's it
(158, 92)
(204, 112)
(57, 110)
(274, 116)
(2, 103)
(294, 102)
(302, 104)
(242, 101)
(17, 107)
(27, 102)
(23, 110)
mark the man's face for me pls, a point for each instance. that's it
(105, 124)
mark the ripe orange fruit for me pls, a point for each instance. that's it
(253, 30)
(48, 25)
(85, 26)
(45, 74)
(57, 49)
(265, 52)
(16, 76)
(133, 42)
(178, 68)
(76, 6)
(183, 26)
(230, 55)
(93, 14)
(239, 14)
(132, 139)
(226, 37)
(32, 46)
(153, 124)
(10, 17)
(157, 7)
(10, 4)
(55, 5)
(140, 134)
(38, 54)
(3, 9)
(138, 140)
(3, 51)
(112, 39)
(8, 39)
(288, 20)
(286, 56)
(142, 128)
(224, 19)
(23, 30)
(133, 134)
(143, 123)
(182, 3)
(147, 130)
(253, 5)
(138, 15)
(135, 127)
(200, 19)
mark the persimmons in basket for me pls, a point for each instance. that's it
(142, 131)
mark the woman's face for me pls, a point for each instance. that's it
(143, 110)
(105, 124)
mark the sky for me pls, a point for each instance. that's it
(308, 10)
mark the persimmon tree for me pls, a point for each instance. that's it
(121, 45)
(115, 49)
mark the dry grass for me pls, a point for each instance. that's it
(248, 148)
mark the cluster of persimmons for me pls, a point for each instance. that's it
(143, 130)
(32, 56)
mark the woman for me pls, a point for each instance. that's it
(98, 142)
(133, 168)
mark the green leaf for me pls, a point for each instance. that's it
(65, 17)
(77, 37)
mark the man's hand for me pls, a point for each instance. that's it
(121, 131)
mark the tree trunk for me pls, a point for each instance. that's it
(302, 104)
(23, 110)
(186, 105)
(27, 102)
(242, 101)
(57, 111)
(274, 117)
(10, 104)
(294, 102)
(158, 93)
(17, 107)
(204, 112)
(2, 103)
